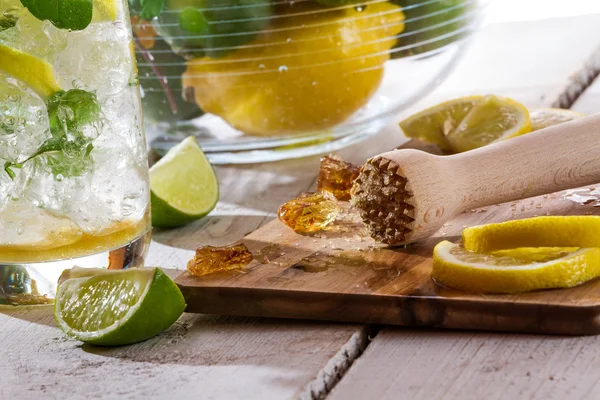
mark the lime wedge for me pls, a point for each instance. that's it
(183, 186)
(35, 72)
(114, 308)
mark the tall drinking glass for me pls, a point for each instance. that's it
(73, 161)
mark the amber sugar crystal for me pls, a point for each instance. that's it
(210, 259)
(336, 176)
(311, 212)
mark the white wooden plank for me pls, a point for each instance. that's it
(589, 102)
(199, 357)
(407, 364)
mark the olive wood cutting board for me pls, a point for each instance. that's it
(342, 275)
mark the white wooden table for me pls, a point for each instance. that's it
(539, 62)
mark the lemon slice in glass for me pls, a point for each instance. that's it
(491, 120)
(514, 271)
(35, 72)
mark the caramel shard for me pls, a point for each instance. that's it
(311, 212)
(210, 259)
(336, 176)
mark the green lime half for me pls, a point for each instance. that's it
(183, 186)
(116, 308)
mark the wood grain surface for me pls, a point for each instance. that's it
(421, 364)
(341, 274)
(200, 357)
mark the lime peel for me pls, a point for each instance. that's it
(96, 309)
(183, 186)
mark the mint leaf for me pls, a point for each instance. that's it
(68, 150)
(69, 112)
(75, 15)
(214, 27)
(8, 168)
(151, 8)
(193, 21)
(7, 21)
(146, 9)
(65, 165)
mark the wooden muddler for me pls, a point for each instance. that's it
(407, 195)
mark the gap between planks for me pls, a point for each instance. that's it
(579, 81)
(339, 364)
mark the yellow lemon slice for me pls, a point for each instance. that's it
(491, 120)
(544, 117)
(435, 123)
(35, 72)
(547, 231)
(455, 267)
(534, 254)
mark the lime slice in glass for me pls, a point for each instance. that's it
(183, 185)
(113, 308)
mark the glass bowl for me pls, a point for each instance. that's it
(265, 80)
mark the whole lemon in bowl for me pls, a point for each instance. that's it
(309, 70)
